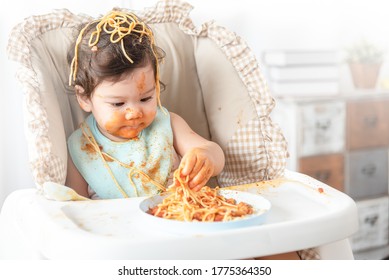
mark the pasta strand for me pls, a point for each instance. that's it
(104, 156)
(206, 205)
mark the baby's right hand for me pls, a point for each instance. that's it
(197, 165)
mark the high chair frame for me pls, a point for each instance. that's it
(214, 82)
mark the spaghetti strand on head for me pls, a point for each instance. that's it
(118, 25)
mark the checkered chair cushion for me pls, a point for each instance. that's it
(213, 81)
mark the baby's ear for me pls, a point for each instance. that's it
(83, 100)
(79, 89)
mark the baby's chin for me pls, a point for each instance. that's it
(124, 134)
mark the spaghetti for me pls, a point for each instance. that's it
(118, 24)
(106, 157)
(205, 205)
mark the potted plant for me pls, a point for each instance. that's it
(365, 60)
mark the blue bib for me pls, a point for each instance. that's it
(129, 164)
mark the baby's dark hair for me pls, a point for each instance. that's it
(103, 51)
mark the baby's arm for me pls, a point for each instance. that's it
(75, 180)
(201, 158)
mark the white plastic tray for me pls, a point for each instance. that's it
(305, 213)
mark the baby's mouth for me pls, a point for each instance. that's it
(132, 126)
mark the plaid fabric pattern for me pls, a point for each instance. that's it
(309, 254)
(257, 151)
(45, 165)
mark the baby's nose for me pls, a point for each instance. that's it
(132, 113)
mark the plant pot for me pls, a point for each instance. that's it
(364, 75)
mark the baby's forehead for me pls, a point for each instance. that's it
(139, 74)
(131, 73)
(141, 79)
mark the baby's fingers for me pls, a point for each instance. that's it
(192, 166)
(187, 165)
(198, 186)
(202, 177)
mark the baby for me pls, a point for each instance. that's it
(129, 145)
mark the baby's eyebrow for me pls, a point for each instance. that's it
(147, 91)
(110, 97)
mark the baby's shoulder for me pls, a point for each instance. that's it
(174, 117)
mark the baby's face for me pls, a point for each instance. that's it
(123, 109)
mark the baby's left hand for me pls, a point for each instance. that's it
(197, 165)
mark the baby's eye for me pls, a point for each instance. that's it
(119, 104)
(146, 99)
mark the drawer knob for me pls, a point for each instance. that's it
(371, 220)
(322, 175)
(369, 169)
(323, 125)
(370, 121)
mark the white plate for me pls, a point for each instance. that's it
(261, 208)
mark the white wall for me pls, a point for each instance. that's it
(265, 24)
(297, 24)
(294, 23)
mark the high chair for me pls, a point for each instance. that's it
(214, 82)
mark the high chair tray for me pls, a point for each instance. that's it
(305, 213)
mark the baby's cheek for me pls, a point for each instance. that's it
(113, 121)
(153, 113)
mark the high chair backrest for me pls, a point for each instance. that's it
(212, 80)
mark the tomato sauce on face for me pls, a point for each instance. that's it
(118, 126)
(141, 83)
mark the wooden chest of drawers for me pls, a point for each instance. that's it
(367, 173)
(343, 141)
(367, 124)
(328, 169)
(373, 224)
(322, 128)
